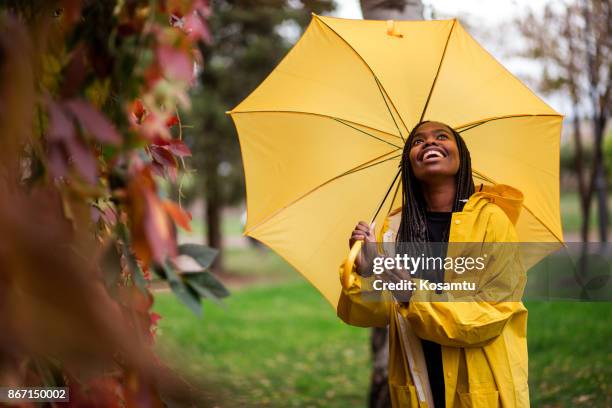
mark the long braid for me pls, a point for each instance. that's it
(413, 225)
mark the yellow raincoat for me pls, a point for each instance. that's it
(484, 344)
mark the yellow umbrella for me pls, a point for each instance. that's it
(322, 135)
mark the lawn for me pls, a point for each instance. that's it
(276, 346)
(282, 346)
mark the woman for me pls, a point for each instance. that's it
(469, 352)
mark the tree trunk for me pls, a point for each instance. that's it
(599, 89)
(214, 238)
(585, 202)
(601, 187)
(379, 389)
(379, 386)
(392, 9)
(214, 205)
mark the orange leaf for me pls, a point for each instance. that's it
(181, 217)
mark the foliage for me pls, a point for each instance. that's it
(91, 95)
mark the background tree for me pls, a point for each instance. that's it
(248, 39)
(574, 42)
(392, 9)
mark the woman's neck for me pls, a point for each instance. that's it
(440, 196)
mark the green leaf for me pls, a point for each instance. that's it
(208, 281)
(202, 254)
(185, 294)
(206, 285)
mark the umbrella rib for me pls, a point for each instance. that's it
(381, 88)
(389, 109)
(394, 196)
(481, 175)
(371, 165)
(366, 133)
(320, 115)
(359, 167)
(472, 125)
(386, 195)
(433, 85)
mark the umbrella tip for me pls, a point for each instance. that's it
(228, 112)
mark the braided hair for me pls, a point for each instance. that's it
(413, 225)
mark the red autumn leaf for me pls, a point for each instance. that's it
(157, 228)
(181, 217)
(58, 160)
(138, 110)
(176, 64)
(172, 120)
(163, 156)
(150, 226)
(83, 159)
(157, 169)
(60, 125)
(172, 173)
(154, 318)
(154, 127)
(160, 141)
(178, 148)
(94, 122)
(109, 216)
(196, 28)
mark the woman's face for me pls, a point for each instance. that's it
(433, 152)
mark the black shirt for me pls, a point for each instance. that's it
(438, 225)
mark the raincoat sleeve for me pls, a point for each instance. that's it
(361, 305)
(476, 319)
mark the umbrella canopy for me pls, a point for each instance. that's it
(322, 135)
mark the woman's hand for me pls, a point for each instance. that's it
(366, 233)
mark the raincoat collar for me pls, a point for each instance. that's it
(508, 198)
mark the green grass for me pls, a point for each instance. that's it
(278, 346)
(230, 225)
(570, 358)
(257, 262)
(283, 346)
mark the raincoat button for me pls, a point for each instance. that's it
(457, 222)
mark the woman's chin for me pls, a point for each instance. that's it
(435, 172)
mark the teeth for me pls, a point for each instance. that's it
(432, 153)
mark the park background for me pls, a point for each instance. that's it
(274, 341)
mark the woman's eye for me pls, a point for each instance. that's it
(442, 137)
(416, 142)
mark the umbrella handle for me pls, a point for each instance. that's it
(347, 271)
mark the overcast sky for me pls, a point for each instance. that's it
(490, 22)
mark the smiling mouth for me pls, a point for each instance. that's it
(432, 154)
